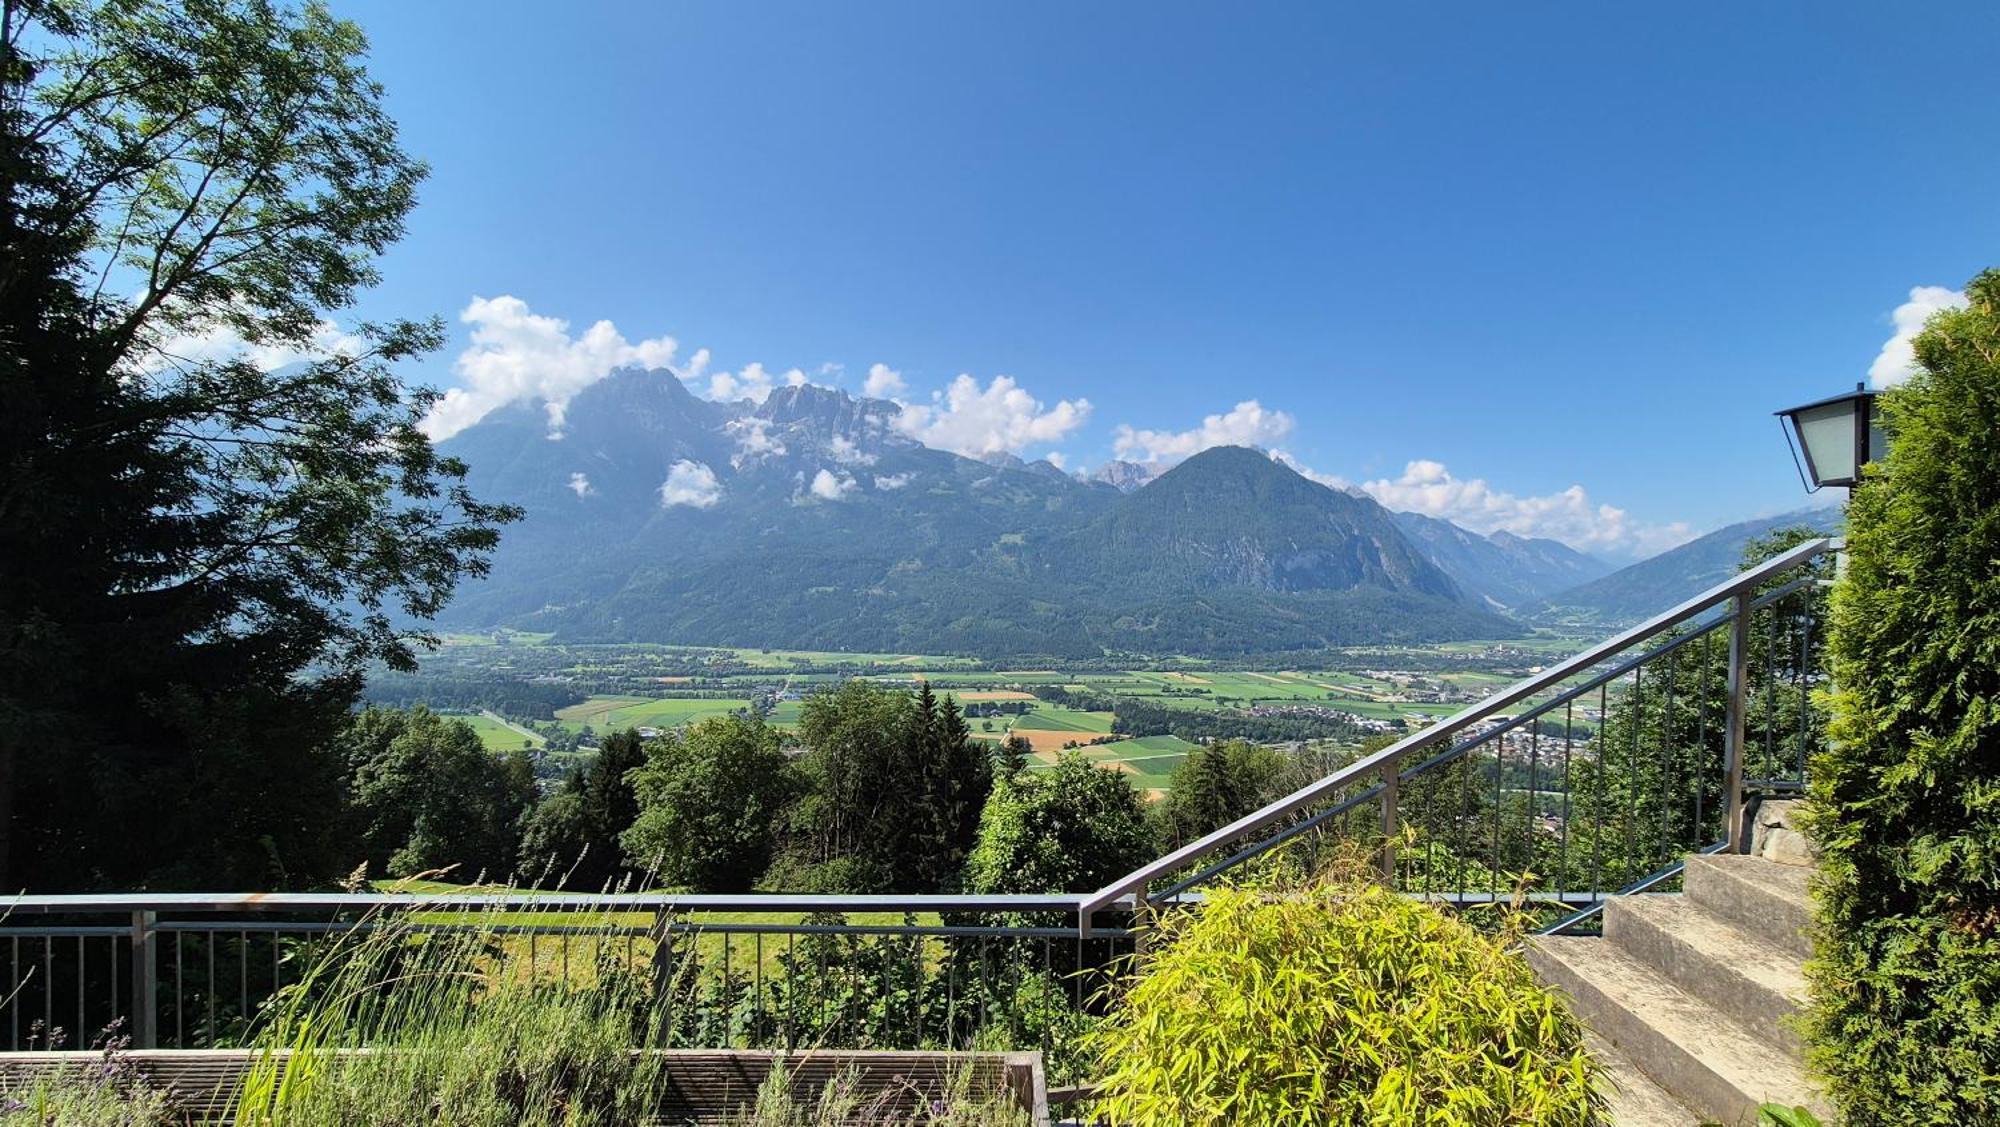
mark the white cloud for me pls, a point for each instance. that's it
(1331, 481)
(892, 481)
(1898, 359)
(690, 483)
(1057, 459)
(753, 440)
(848, 453)
(1249, 423)
(696, 367)
(828, 486)
(883, 382)
(973, 421)
(517, 354)
(579, 484)
(1570, 515)
(752, 383)
(219, 343)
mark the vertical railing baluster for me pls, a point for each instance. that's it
(1736, 724)
(1528, 824)
(1802, 678)
(1391, 776)
(1701, 743)
(1602, 740)
(1667, 758)
(1631, 819)
(145, 1018)
(1771, 694)
(1562, 843)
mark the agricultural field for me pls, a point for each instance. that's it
(499, 735)
(786, 659)
(1150, 760)
(616, 713)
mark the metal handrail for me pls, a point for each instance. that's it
(89, 903)
(1127, 890)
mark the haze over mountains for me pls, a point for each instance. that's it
(809, 521)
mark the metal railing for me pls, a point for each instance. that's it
(1588, 779)
(1674, 723)
(730, 971)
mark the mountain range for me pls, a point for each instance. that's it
(1652, 585)
(809, 521)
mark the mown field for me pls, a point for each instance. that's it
(614, 713)
(498, 735)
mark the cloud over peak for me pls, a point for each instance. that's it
(883, 382)
(1569, 515)
(998, 418)
(519, 355)
(1249, 423)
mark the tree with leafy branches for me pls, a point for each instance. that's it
(217, 508)
(427, 796)
(709, 800)
(571, 839)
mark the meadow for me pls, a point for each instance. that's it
(612, 713)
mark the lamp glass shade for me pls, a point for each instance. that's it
(1829, 438)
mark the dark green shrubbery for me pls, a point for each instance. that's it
(1905, 1021)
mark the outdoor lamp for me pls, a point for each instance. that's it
(1838, 436)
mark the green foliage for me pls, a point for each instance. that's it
(1778, 1115)
(198, 556)
(572, 837)
(709, 801)
(1337, 1003)
(427, 795)
(1069, 829)
(895, 788)
(1214, 786)
(1905, 1016)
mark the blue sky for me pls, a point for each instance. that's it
(1541, 246)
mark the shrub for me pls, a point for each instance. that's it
(1338, 1003)
(1905, 1017)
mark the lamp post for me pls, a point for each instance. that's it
(1838, 436)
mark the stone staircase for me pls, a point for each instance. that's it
(1687, 994)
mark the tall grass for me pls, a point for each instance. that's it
(438, 1017)
(450, 1032)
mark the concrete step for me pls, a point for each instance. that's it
(1700, 1057)
(1714, 961)
(1632, 1099)
(1763, 898)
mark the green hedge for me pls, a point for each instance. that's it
(1905, 1019)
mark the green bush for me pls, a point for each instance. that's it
(1339, 1003)
(1905, 1019)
